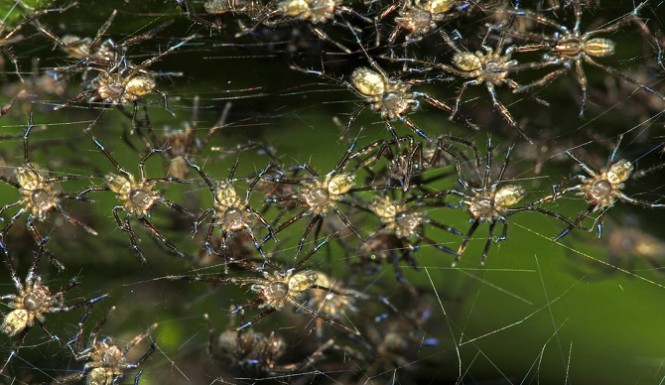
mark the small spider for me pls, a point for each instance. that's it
(407, 162)
(392, 98)
(33, 302)
(490, 67)
(251, 349)
(230, 213)
(184, 143)
(570, 49)
(405, 223)
(278, 290)
(40, 194)
(138, 198)
(88, 52)
(335, 301)
(105, 362)
(38, 86)
(490, 201)
(124, 83)
(318, 197)
(600, 190)
(419, 17)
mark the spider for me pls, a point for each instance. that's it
(407, 160)
(600, 190)
(40, 194)
(337, 302)
(392, 98)
(138, 197)
(124, 83)
(33, 302)
(318, 197)
(251, 349)
(491, 201)
(490, 68)
(632, 244)
(278, 290)
(105, 362)
(419, 17)
(88, 52)
(404, 222)
(570, 49)
(231, 214)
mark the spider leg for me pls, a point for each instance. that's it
(415, 129)
(148, 225)
(257, 318)
(438, 245)
(443, 227)
(288, 223)
(323, 36)
(624, 198)
(347, 222)
(126, 227)
(468, 235)
(76, 222)
(308, 229)
(505, 113)
(576, 222)
(15, 348)
(544, 80)
(308, 361)
(488, 242)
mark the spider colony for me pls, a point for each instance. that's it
(338, 259)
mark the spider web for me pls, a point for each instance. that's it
(539, 311)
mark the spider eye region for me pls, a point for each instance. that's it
(276, 291)
(42, 201)
(599, 191)
(36, 300)
(141, 198)
(110, 356)
(233, 218)
(395, 103)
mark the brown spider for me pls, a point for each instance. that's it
(489, 67)
(318, 197)
(392, 98)
(407, 162)
(405, 223)
(251, 349)
(232, 214)
(570, 49)
(600, 189)
(138, 197)
(105, 362)
(89, 52)
(40, 194)
(33, 302)
(419, 17)
(124, 83)
(490, 201)
(335, 301)
(278, 290)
